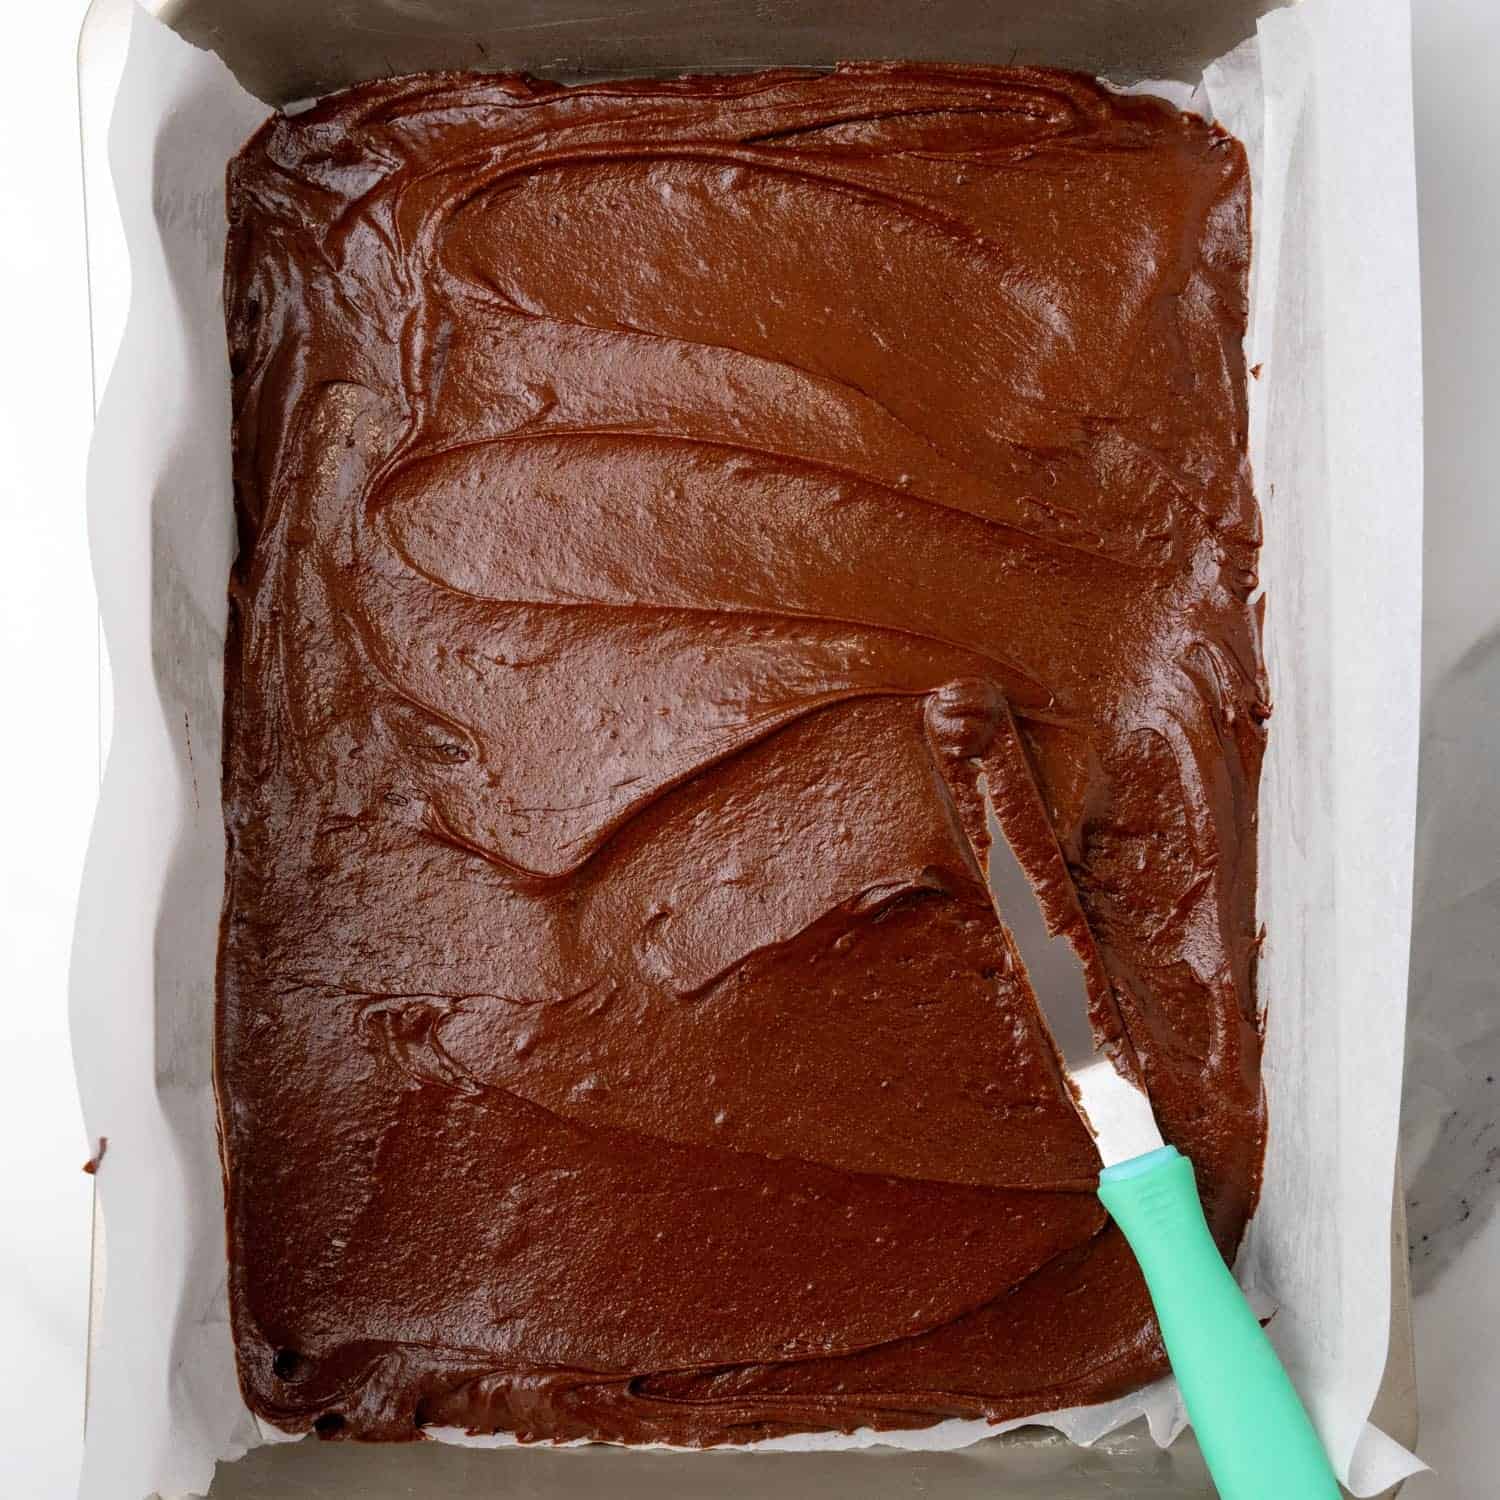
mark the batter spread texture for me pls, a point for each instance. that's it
(660, 504)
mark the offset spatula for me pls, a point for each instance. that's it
(1251, 1424)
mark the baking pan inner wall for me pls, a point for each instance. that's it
(284, 50)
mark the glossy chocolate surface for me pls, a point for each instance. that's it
(660, 503)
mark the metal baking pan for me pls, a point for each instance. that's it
(287, 50)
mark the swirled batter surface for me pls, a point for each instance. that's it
(660, 503)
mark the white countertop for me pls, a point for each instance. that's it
(49, 660)
(1452, 1138)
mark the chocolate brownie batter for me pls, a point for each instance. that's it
(660, 504)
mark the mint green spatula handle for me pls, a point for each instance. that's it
(1251, 1424)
